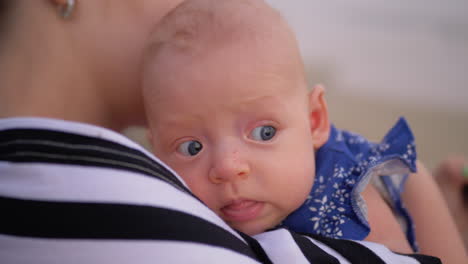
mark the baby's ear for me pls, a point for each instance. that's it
(318, 115)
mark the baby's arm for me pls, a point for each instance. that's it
(436, 232)
(385, 228)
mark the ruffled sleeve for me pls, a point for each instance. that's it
(344, 167)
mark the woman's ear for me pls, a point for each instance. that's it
(318, 115)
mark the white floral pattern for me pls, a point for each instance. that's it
(341, 163)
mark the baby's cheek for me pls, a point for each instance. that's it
(200, 190)
(188, 178)
(304, 183)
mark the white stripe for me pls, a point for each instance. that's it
(59, 251)
(281, 247)
(55, 182)
(386, 255)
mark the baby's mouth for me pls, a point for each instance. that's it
(242, 210)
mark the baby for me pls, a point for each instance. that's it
(229, 109)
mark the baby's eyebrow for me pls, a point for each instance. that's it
(256, 100)
(179, 120)
(269, 102)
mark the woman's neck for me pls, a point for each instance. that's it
(42, 75)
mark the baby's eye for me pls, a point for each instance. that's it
(263, 133)
(190, 148)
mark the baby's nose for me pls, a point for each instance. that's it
(229, 168)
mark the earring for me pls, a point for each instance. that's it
(66, 9)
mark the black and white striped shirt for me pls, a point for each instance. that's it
(76, 193)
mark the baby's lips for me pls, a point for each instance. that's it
(242, 210)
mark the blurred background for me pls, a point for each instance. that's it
(383, 59)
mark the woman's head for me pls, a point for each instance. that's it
(93, 55)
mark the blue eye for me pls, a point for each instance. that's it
(263, 133)
(190, 148)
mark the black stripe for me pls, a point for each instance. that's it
(312, 252)
(111, 221)
(423, 259)
(352, 251)
(257, 248)
(36, 145)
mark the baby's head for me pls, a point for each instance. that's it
(228, 108)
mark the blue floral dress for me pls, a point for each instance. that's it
(344, 166)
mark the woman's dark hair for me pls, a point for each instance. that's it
(4, 6)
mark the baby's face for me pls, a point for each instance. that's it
(235, 126)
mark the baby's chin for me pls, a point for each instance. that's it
(252, 229)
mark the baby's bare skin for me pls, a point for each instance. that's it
(452, 177)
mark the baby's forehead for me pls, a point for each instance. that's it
(200, 28)
(197, 29)
(198, 24)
